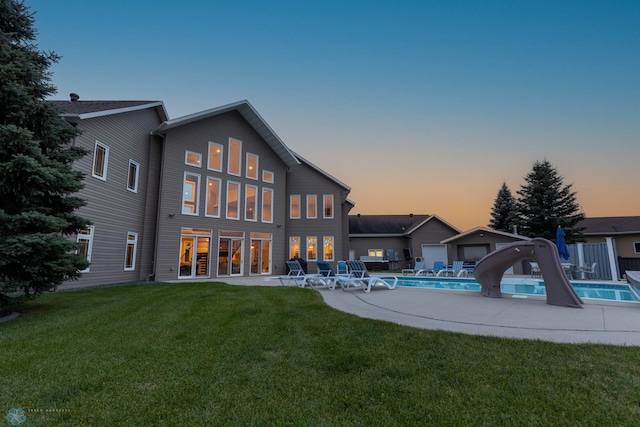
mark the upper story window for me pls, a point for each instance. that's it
(636, 247)
(327, 206)
(267, 205)
(213, 197)
(132, 179)
(235, 157)
(190, 193)
(312, 206)
(215, 157)
(252, 166)
(294, 206)
(267, 176)
(193, 159)
(233, 200)
(100, 161)
(250, 203)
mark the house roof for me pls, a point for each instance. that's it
(391, 225)
(90, 109)
(320, 171)
(484, 230)
(610, 225)
(250, 115)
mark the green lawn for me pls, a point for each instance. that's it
(211, 354)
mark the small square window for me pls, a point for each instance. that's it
(193, 159)
(267, 176)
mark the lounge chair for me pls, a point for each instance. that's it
(455, 270)
(325, 277)
(296, 274)
(359, 278)
(342, 268)
(535, 269)
(437, 266)
(419, 266)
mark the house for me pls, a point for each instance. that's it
(212, 194)
(397, 241)
(621, 234)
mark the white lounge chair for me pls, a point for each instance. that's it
(296, 274)
(587, 271)
(419, 266)
(359, 278)
(437, 266)
(535, 269)
(455, 270)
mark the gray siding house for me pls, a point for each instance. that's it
(202, 196)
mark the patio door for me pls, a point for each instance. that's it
(230, 253)
(194, 253)
(260, 253)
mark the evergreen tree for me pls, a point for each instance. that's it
(37, 183)
(503, 212)
(546, 203)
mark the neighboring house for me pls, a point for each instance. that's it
(202, 196)
(472, 245)
(398, 241)
(622, 233)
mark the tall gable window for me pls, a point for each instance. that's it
(267, 205)
(215, 157)
(312, 206)
(250, 203)
(294, 206)
(193, 159)
(100, 161)
(252, 166)
(327, 206)
(235, 157)
(213, 197)
(132, 179)
(190, 193)
(233, 200)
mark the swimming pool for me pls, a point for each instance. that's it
(599, 291)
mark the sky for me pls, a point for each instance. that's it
(422, 107)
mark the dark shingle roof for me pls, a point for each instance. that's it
(84, 107)
(611, 225)
(384, 224)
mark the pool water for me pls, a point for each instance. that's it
(600, 291)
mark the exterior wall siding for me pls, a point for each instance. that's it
(195, 137)
(114, 210)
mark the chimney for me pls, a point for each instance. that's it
(74, 97)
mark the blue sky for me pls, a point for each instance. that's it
(419, 106)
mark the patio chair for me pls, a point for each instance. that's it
(359, 278)
(295, 276)
(419, 266)
(437, 266)
(535, 269)
(342, 268)
(587, 271)
(325, 277)
(455, 270)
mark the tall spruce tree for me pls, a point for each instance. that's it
(546, 203)
(37, 183)
(503, 212)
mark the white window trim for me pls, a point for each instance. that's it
(291, 242)
(106, 160)
(186, 158)
(229, 163)
(229, 183)
(207, 197)
(133, 242)
(196, 195)
(247, 156)
(262, 210)
(291, 197)
(221, 147)
(89, 238)
(324, 206)
(315, 211)
(135, 185)
(255, 203)
(265, 179)
(307, 249)
(333, 248)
